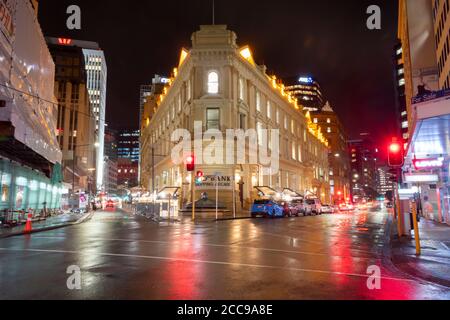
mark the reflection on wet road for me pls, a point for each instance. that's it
(123, 257)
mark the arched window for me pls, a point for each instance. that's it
(213, 82)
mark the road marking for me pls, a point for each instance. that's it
(357, 275)
(225, 246)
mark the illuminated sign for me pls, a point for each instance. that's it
(64, 41)
(426, 178)
(420, 164)
(306, 80)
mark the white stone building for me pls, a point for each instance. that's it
(218, 83)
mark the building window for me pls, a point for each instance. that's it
(241, 89)
(328, 130)
(213, 82)
(286, 120)
(328, 120)
(189, 90)
(213, 118)
(269, 109)
(315, 120)
(242, 121)
(294, 151)
(278, 116)
(292, 126)
(260, 133)
(258, 101)
(300, 155)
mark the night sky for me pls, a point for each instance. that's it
(325, 39)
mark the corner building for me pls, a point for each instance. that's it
(218, 83)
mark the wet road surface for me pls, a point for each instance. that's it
(125, 257)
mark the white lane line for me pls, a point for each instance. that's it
(358, 275)
(222, 246)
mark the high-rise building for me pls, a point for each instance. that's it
(385, 182)
(441, 21)
(424, 29)
(30, 157)
(96, 77)
(111, 161)
(339, 161)
(364, 159)
(308, 92)
(145, 91)
(128, 145)
(75, 119)
(417, 72)
(96, 82)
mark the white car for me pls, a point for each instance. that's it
(316, 206)
(326, 209)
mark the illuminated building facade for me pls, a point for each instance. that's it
(308, 92)
(363, 159)
(338, 158)
(30, 157)
(385, 182)
(424, 33)
(75, 119)
(220, 85)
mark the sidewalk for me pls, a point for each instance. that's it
(434, 263)
(51, 223)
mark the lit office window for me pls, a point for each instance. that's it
(213, 82)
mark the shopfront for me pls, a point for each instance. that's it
(22, 188)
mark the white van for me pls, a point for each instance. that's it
(315, 206)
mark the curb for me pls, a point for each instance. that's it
(410, 272)
(54, 227)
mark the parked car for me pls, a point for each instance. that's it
(291, 209)
(267, 208)
(346, 207)
(327, 209)
(315, 206)
(300, 207)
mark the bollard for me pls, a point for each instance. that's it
(416, 229)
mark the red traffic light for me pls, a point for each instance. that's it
(395, 147)
(190, 163)
(200, 174)
(395, 154)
